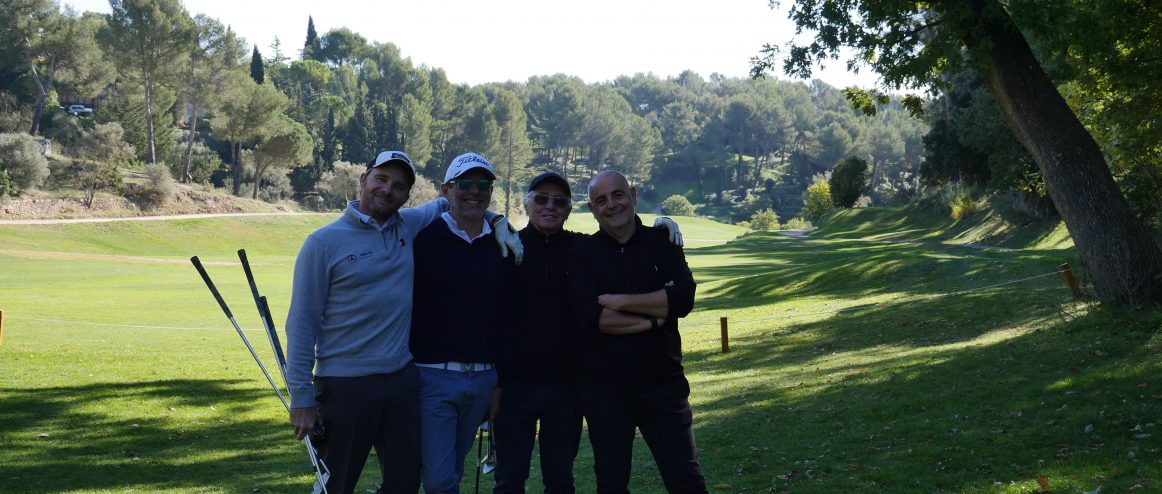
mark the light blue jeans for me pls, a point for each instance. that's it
(452, 407)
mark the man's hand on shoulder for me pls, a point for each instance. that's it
(670, 226)
(508, 238)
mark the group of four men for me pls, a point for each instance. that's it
(408, 327)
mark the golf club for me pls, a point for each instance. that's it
(322, 473)
(226, 309)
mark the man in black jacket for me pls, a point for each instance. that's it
(541, 385)
(629, 287)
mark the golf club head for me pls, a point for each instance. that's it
(488, 463)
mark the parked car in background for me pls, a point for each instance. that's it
(79, 110)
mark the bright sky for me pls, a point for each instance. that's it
(478, 41)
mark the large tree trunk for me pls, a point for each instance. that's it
(149, 131)
(236, 169)
(186, 177)
(1119, 254)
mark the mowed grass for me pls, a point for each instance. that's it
(873, 356)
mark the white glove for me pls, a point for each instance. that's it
(670, 226)
(508, 238)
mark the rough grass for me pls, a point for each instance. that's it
(875, 355)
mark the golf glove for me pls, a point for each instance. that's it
(670, 226)
(508, 238)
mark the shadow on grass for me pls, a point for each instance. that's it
(882, 401)
(96, 437)
(778, 268)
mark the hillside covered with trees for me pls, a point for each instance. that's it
(171, 87)
(179, 96)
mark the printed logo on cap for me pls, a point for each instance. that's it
(472, 158)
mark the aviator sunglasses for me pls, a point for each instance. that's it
(541, 200)
(466, 184)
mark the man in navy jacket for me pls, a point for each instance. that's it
(463, 320)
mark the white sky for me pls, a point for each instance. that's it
(478, 41)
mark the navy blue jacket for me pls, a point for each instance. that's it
(465, 300)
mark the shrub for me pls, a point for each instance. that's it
(423, 191)
(106, 142)
(818, 200)
(92, 177)
(847, 181)
(677, 205)
(797, 223)
(764, 220)
(158, 188)
(7, 186)
(22, 159)
(754, 203)
(314, 202)
(276, 187)
(341, 184)
(963, 206)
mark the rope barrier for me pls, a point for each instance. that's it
(112, 325)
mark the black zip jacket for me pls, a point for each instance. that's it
(545, 345)
(646, 262)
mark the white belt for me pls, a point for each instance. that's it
(459, 366)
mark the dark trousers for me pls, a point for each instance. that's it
(380, 411)
(665, 421)
(521, 406)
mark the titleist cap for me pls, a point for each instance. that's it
(467, 161)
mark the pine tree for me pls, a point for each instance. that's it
(358, 141)
(257, 70)
(386, 127)
(311, 46)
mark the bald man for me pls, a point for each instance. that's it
(629, 286)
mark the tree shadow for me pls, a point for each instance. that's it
(96, 436)
(862, 402)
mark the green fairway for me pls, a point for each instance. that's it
(874, 355)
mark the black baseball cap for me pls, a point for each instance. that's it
(549, 177)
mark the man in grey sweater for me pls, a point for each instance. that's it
(349, 322)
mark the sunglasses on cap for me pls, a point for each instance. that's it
(541, 200)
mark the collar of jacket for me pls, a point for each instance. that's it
(638, 231)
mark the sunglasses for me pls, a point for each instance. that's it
(466, 184)
(541, 200)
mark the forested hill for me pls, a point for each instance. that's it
(159, 90)
(289, 113)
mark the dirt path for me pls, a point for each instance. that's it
(139, 218)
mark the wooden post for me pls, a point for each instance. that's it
(725, 335)
(1, 327)
(1071, 281)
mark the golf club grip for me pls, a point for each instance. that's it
(273, 334)
(249, 274)
(210, 284)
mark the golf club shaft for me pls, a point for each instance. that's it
(226, 309)
(278, 354)
(264, 314)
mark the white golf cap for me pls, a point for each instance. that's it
(394, 157)
(467, 161)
